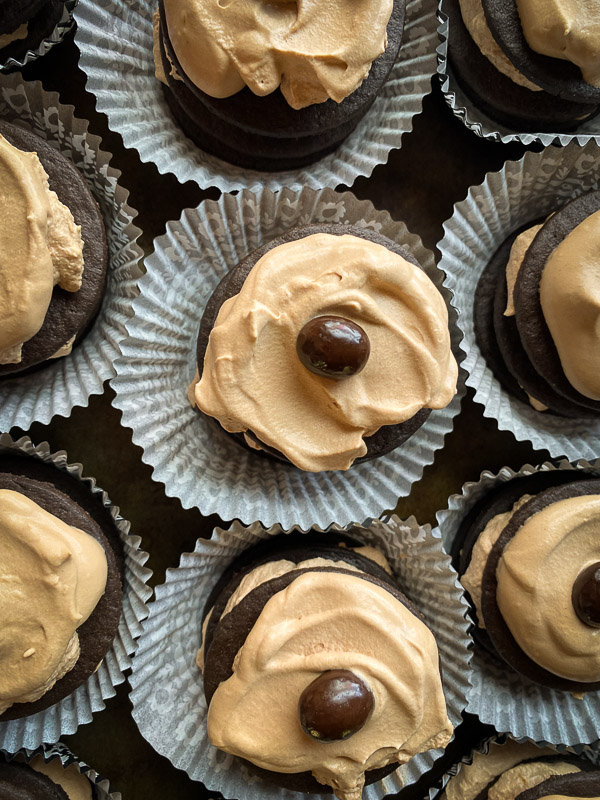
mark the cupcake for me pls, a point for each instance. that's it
(326, 346)
(69, 261)
(53, 253)
(527, 551)
(360, 673)
(29, 28)
(277, 87)
(529, 66)
(51, 772)
(72, 582)
(317, 669)
(535, 312)
(523, 771)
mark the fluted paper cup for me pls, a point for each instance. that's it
(62, 27)
(115, 40)
(77, 708)
(478, 122)
(523, 191)
(167, 695)
(60, 752)
(500, 696)
(199, 463)
(70, 381)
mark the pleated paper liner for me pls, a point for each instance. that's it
(499, 695)
(478, 122)
(522, 191)
(115, 40)
(62, 27)
(167, 694)
(198, 462)
(70, 381)
(78, 707)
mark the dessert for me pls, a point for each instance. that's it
(339, 391)
(528, 554)
(284, 84)
(61, 565)
(317, 669)
(523, 771)
(24, 24)
(38, 779)
(536, 309)
(53, 257)
(531, 65)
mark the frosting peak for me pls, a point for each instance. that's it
(312, 50)
(253, 379)
(51, 578)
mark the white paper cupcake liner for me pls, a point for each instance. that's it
(499, 695)
(167, 694)
(198, 462)
(68, 382)
(435, 791)
(77, 708)
(115, 40)
(522, 191)
(50, 752)
(63, 26)
(478, 122)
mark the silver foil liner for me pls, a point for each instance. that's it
(167, 694)
(68, 382)
(478, 122)
(63, 26)
(77, 708)
(499, 695)
(115, 40)
(587, 753)
(198, 462)
(523, 191)
(51, 752)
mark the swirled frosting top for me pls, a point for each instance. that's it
(253, 379)
(535, 576)
(51, 578)
(323, 621)
(312, 50)
(40, 246)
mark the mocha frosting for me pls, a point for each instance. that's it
(40, 246)
(51, 578)
(254, 380)
(311, 50)
(570, 300)
(75, 785)
(14, 36)
(323, 621)
(535, 578)
(566, 29)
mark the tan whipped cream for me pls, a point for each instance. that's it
(472, 578)
(40, 246)
(51, 578)
(13, 36)
(75, 785)
(475, 22)
(254, 380)
(519, 248)
(570, 299)
(535, 576)
(323, 621)
(473, 778)
(566, 29)
(311, 50)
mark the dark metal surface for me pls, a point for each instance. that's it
(438, 161)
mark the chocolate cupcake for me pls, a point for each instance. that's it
(325, 347)
(522, 771)
(379, 602)
(527, 70)
(29, 28)
(535, 311)
(280, 87)
(54, 255)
